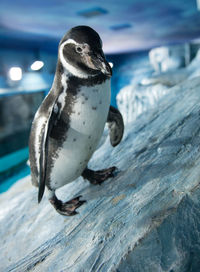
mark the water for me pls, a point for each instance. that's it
(13, 167)
(7, 183)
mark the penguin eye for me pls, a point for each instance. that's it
(79, 49)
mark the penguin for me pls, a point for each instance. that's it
(69, 123)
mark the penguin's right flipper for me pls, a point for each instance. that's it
(46, 130)
(115, 125)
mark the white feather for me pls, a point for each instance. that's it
(39, 125)
(74, 71)
(61, 98)
(86, 128)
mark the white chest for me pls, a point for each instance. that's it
(87, 121)
(90, 109)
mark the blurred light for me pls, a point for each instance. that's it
(37, 65)
(198, 4)
(15, 73)
(111, 64)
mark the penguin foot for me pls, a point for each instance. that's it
(98, 177)
(67, 208)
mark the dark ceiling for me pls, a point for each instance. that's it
(126, 25)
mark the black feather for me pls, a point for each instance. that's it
(44, 151)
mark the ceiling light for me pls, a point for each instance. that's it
(37, 65)
(15, 73)
(92, 12)
(119, 27)
(198, 4)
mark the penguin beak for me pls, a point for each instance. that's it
(100, 63)
(107, 70)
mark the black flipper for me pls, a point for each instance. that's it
(115, 125)
(46, 130)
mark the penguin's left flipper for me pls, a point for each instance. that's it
(98, 177)
(115, 125)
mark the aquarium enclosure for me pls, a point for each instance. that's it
(146, 218)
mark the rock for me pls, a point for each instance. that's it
(172, 78)
(193, 68)
(174, 244)
(168, 79)
(168, 58)
(136, 98)
(144, 219)
(128, 69)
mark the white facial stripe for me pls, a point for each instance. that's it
(70, 41)
(74, 71)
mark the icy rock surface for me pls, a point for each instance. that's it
(144, 219)
(136, 98)
(169, 58)
(171, 78)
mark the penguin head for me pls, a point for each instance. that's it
(81, 54)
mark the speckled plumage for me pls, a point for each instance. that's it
(86, 124)
(69, 123)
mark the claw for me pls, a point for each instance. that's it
(67, 208)
(98, 177)
(76, 200)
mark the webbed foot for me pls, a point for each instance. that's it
(98, 177)
(66, 208)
